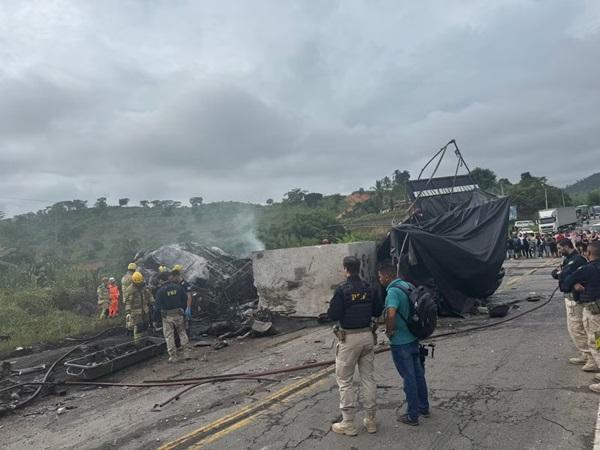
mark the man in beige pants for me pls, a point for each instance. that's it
(586, 282)
(353, 306)
(572, 261)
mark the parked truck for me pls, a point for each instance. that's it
(557, 219)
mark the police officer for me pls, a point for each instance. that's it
(586, 282)
(353, 306)
(170, 303)
(572, 261)
(187, 288)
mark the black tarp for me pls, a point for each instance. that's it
(460, 251)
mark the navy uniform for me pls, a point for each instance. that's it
(588, 276)
(354, 305)
(574, 309)
(171, 301)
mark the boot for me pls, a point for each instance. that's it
(595, 388)
(590, 366)
(346, 426)
(369, 422)
(578, 360)
(597, 377)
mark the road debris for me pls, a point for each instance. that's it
(109, 360)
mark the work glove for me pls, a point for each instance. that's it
(188, 312)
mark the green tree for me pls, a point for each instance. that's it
(379, 194)
(270, 201)
(123, 201)
(282, 227)
(529, 195)
(101, 203)
(593, 198)
(485, 178)
(399, 181)
(313, 199)
(295, 196)
(144, 203)
(196, 201)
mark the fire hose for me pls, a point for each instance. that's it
(259, 376)
(382, 350)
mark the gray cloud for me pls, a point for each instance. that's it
(244, 100)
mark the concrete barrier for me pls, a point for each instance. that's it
(299, 282)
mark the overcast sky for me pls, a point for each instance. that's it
(243, 100)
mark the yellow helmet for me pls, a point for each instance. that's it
(132, 266)
(163, 269)
(177, 268)
(137, 278)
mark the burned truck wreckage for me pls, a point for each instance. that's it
(453, 239)
(224, 297)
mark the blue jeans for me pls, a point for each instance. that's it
(408, 363)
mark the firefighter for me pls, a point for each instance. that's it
(113, 289)
(138, 302)
(103, 297)
(126, 281)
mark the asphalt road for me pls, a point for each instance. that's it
(505, 388)
(508, 387)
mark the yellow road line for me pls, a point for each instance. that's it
(240, 418)
(243, 423)
(227, 424)
(520, 277)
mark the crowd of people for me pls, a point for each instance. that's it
(166, 300)
(530, 245)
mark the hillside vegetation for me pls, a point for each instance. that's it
(51, 261)
(585, 185)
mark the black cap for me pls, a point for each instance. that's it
(163, 277)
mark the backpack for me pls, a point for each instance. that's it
(423, 312)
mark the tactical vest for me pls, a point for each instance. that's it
(592, 285)
(570, 264)
(358, 304)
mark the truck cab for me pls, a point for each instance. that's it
(557, 219)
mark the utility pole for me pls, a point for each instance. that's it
(546, 195)
(563, 197)
(502, 189)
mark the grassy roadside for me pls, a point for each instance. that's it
(27, 328)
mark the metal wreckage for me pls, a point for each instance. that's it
(225, 305)
(454, 238)
(452, 241)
